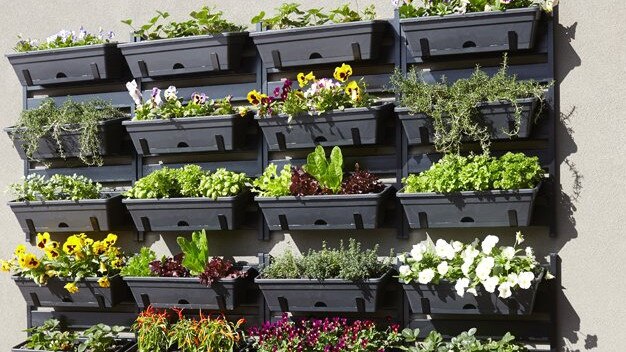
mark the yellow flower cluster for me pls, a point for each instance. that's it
(343, 73)
(303, 79)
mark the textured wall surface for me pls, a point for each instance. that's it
(591, 73)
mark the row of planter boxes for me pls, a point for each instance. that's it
(354, 126)
(363, 211)
(334, 43)
(281, 295)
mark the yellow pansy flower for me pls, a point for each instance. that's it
(110, 239)
(104, 282)
(255, 97)
(343, 73)
(353, 90)
(28, 261)
(99, 248)
(43, 239)
(20, 250)
(117, 263)
(5, 266)
(52, 253)
(103, 268)
(303, 79)
(73, 245)
(71, 287)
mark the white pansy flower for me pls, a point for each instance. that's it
(444, 250)
(525, 279)
(461, 285)
(171, 93)
(512, 279)
(505, 290)
(404, 270)
(472, 291)
(425, 276)
(134, 92)
(483, 269)
(490, 284)
(443, 268)
(457, 245)
(529, 252)
(417, 251)
(488, 243)
(519, 239)
(508, 253)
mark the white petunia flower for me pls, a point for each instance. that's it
(134, 92)
(472, 291)
(443, 268)
(465, 268)
(549, 276)
(529, 252)
(469, 254)
(490, 284)
(508, 252)
(512, 279)
(404, 270)
(461, 285)
(417, 252)
(525, 279)
(425, 276)
(458, 246)
(488, 243)
(444, 250)
(402, 258)
(483, 269)
(519, 239)
(505, 290)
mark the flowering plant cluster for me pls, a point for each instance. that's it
(77, 258)
(65, 39)
(172, 106)
(472, 265)
(464, 342)
(327, 335)
(315, 96)
(410, 8)
(289, 15)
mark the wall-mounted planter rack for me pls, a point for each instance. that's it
(187, 55)
(189, 134)
(121, 345)
(355, 126)
(469, 209)
(331, 43)
(499, 118)
(332, 295)
(332, 212)
(107, 214)
(69, 65)
(470, 33)
(90, 294)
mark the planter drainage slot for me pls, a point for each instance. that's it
(143, 68)
(512, 40)
(513, 218)
(358, 221)
(356, 136)
(356, 51)
(183, 301)
(182, 145)
(95, 225)
(183, 224)
(469, 307)
(320, 139)
(221, 302)
(146, 224)
(320, 222)
(223, 221)
(145, 300)
(63, 225)
(425, 135)
(425, 47)
(27, 78)
(315, 56)
(469, 44)
(425, 305)
(320, 304)
(276, 59)
(35, 299)
(219, 140)
(280, 138)
(284, 306)
(283, 222)
(467, 219)
(100, 300)
(178, 66)
(215, 61)
(61, 75)
(423, 219)
(94, 70)
(145, 149)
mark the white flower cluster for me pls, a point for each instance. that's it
(71, 36)
(470, 265)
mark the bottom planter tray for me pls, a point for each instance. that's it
(349, 211)
(89, 295)
(443, 299)
(188, 292)
(122, 345)
(332, 295)
(469, 209)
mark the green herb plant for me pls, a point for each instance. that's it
(466, 341)
(49, 121)
(57, 187)
(290, 15)
(139, 264)
(454, 109)
(99, 338)
(272, 183)
(454, 173)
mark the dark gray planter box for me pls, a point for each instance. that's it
(332, 295)
(187, 55)
(110, 133)
(330, 43)
(469, 209)
(355, 126)
(188, 214)
(68, 65)
(498, 117)
(90, 294)
(122, 345)
(477, 32)
(442, 299)
(332, 212)
(189, 134)
(70, 216)
(187, 292)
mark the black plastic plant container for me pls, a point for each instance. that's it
(121, 345)
(110, 133)
(328, 212)
(469, 209)
(326, 44)
(188, 292)
(69, 65)
(189, 134)
(97, 215)
(187, 55)
(498, 117)
(89, 295)
(188, 214)
(354, 126)
(477, 32)
(443, 299)
(331, 295)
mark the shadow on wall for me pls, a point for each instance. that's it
(572, 339)
(566, 57)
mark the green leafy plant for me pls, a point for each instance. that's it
(271, 183)
(196, 251)
(454, 108)
(328, 172)
(454, 173)
(139, 264)
(58, 187)
(151, 328)
(464, 342)
(99, 338)
(347, 263)
(203, 21)
(64, 39)
(49, 121)
(222, 183)
(410, 8)
(289, 15)
(49, 337)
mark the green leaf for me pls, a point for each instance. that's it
(258, 18)
(128, 22)
(196, 251)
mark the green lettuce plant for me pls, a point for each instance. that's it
(272, 183)
(410, 8)
(139, 264)
(196, 252)
(289, 15)
(328, 172)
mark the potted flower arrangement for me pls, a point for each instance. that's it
(443, 27)
(67, 57)
(80, 272)
(206, 42)
(346, 279)
(322, 112)
(166, 126)
(478, 109)
(159, 331)
(296, 37)
(464, 341)
(64, 203)
(188, 199)
(473, 191)
(49, 337)
(318, 197)
(476, 278)
(191, 280)
(87, 130)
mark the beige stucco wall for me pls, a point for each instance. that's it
(591, 144)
